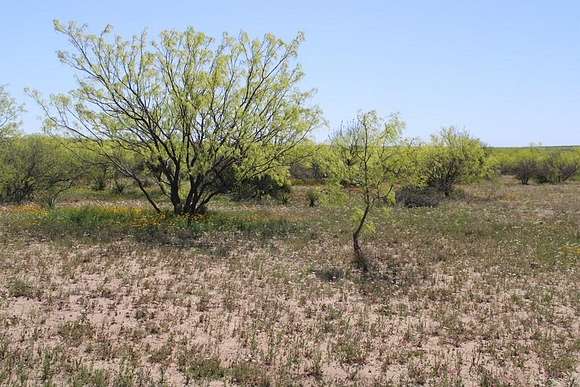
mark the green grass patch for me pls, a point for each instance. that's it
(549, 243)
(109, 222)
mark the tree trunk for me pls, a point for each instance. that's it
(358, 254)
(359, 258)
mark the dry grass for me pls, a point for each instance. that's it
(482, 290)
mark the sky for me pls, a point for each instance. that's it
(506, 71)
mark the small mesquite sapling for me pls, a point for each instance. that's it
(368, 154)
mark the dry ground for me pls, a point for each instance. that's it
(483, 290)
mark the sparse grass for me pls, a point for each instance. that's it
(482, 290)
(195, 368)
(73, 333)
(18, 287)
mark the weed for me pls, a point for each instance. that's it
(18, 287)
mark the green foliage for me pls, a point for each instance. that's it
(365, 154)
(199, 369)
(525, 164)
(315, 163)
(452, 157)
(568, 164)
(260, 187)
(184, 109)
(415, 196)
(9, 114)
(18, 287)
(119, 186)
(557, 167)
(368, 160)
(358, 217)
(98, 173)
(247, 374)
(313, 196)
(538, 163)
(100, 178)
(541, 164)
(333, 194)
(35, 168)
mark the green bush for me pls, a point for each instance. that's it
(9, 116)
(35, 168)
(259, 188)
(569, 164)
(556, 167)
(314, 163)
(412, 196)
(119, 186)
(99, 176)
(313, 196)
(540, 164)
(452, 157)
(525, 165)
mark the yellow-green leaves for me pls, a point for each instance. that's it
(9, 114)
(368, 226)
(452, 157)
(366, 151)
(194, 108)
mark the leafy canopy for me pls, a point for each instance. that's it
(36, 168)
(9, 113)
(193, 109)
(452, 157)
(369, 158)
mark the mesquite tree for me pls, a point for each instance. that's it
(9, 112)
(369, 158)
(185, 110)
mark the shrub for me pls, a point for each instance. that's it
(119, 186)
(99, 183)
(330, 274)
(313, 196)
(261, 187)
(200, 368)
(542, 166)
(9, 115)
(525, 166)
(544, 172)
(99, 176)
(452, 157)
(333, 195)
(557, 167)
(503, 161)
(246, 374)
(314, 163)
(21, 288)
(35, 168)
(569, 165)
(412, 196)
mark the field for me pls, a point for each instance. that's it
(482, 290)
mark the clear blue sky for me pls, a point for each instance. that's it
(508, 71)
